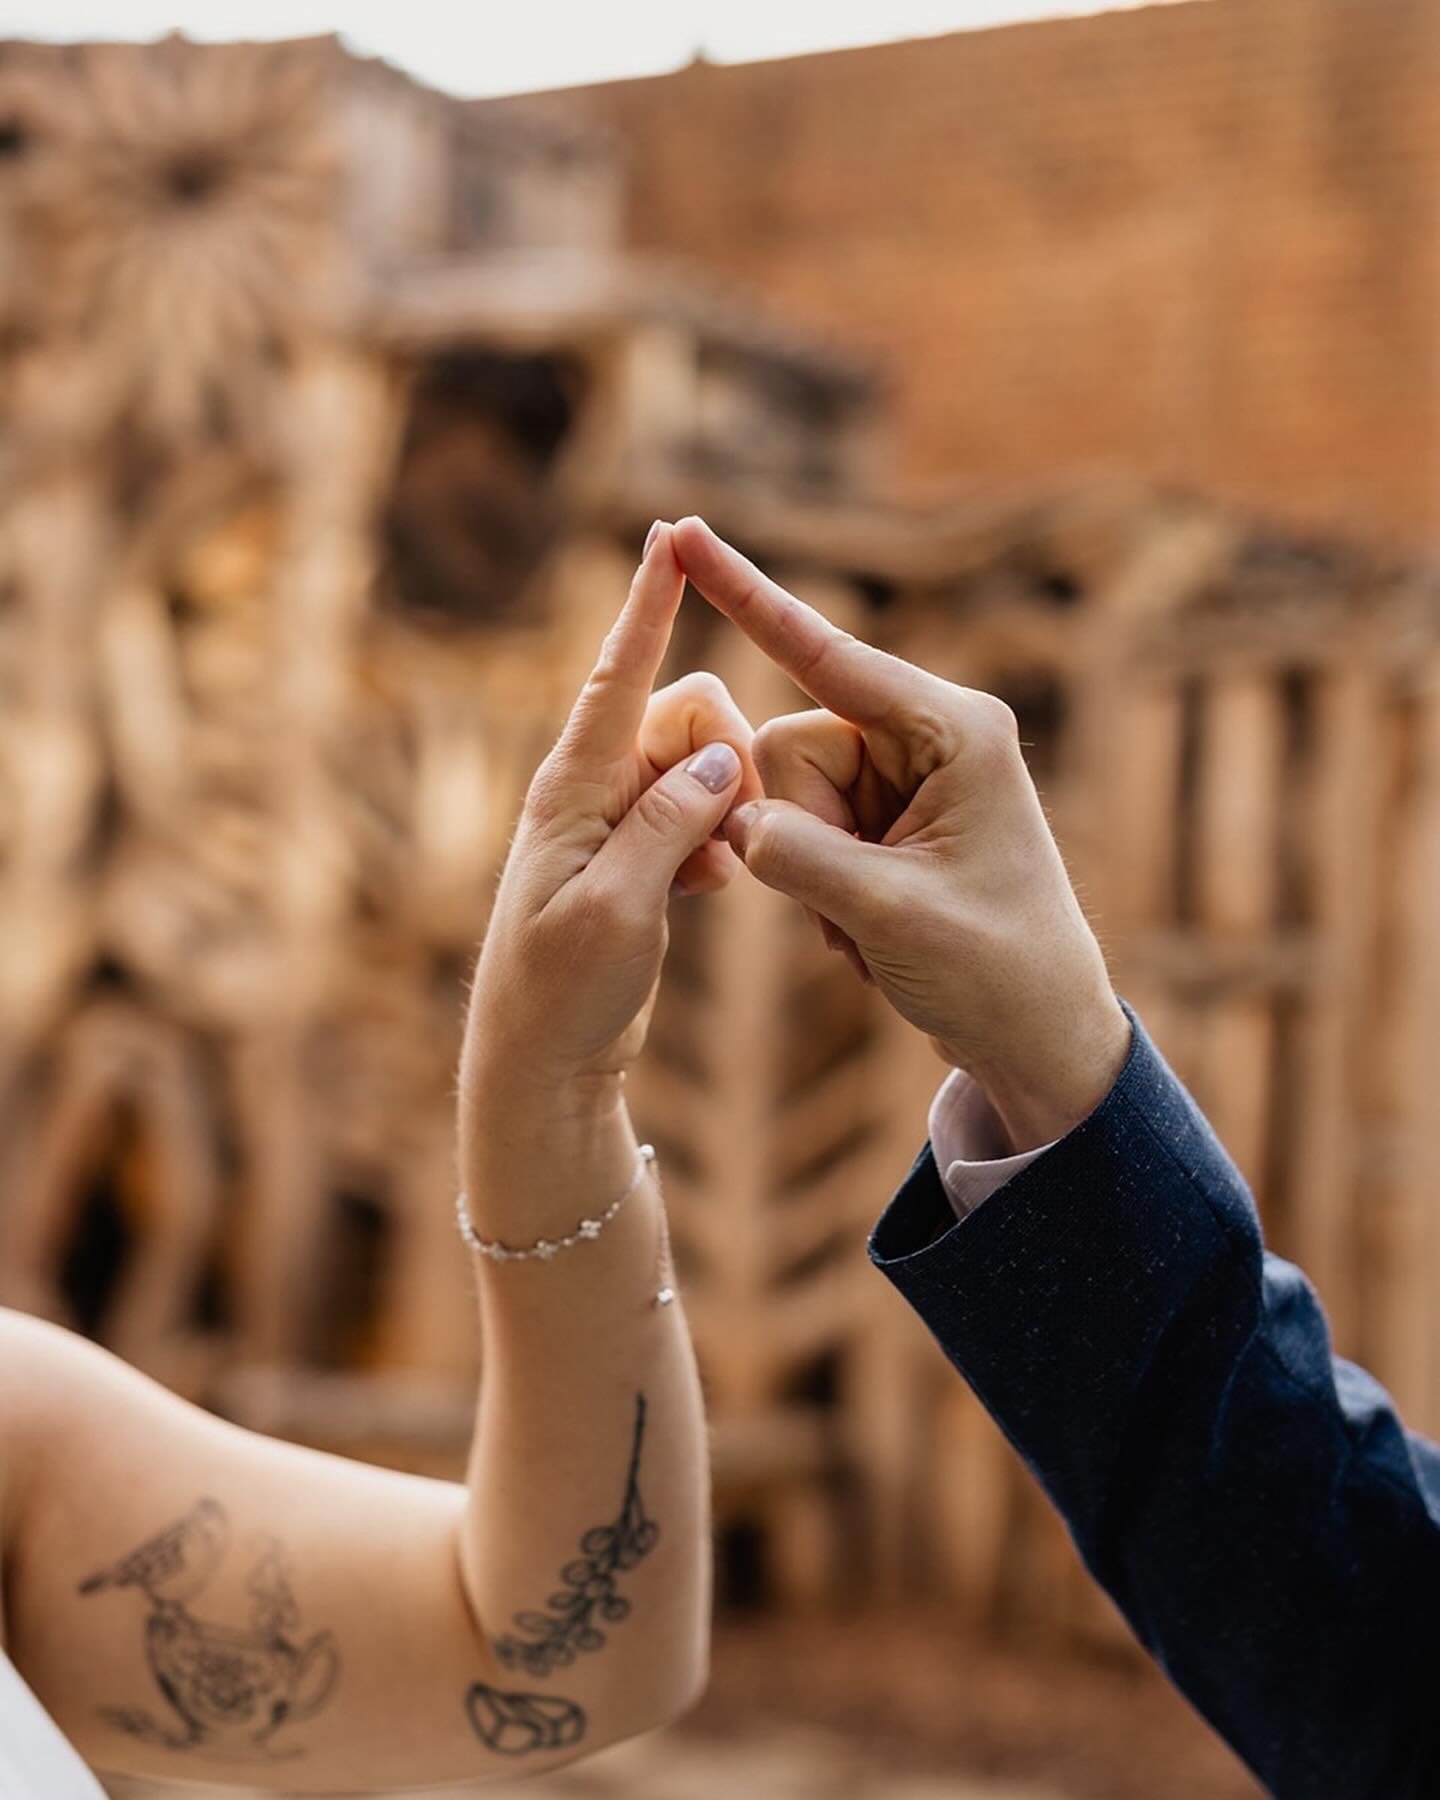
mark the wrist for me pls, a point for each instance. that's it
(508, 1104)
(547, 1043)
(536, 1156)
(1042, 1096)
(497, 1088)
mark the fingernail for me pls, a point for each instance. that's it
(650, 537)
(715, 767)
(737, 828)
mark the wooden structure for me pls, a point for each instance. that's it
(331, 417)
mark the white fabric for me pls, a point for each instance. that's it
(971, 1149)
(37, 1762)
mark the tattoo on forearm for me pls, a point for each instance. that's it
(520, 1724)
(589, 1599)
(231, 1688)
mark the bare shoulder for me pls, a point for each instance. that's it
(34, 1362)
(34, 1354)
(29, 1350)
(49, 1377)
(41, 1367)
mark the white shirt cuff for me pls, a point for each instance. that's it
(971, 1149)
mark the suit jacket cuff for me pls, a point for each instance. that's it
(971, 1148)
(1052, 1299)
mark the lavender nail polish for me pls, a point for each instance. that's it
(715, 767)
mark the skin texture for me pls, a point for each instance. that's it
(901, 814)
(195, 1602)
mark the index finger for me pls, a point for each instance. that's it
(850, 678)
(605, 721)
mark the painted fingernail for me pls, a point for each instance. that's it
(650, 537)
(715, 767)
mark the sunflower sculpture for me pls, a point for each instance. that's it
(169, 232)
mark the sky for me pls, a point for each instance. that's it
(476, 47)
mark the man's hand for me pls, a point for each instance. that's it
(904, 818)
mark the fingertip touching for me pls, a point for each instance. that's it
(851, 678)
(659, 541)
(692, 537)
(725, 577)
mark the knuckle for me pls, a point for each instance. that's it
(835, 645)
(602, 679)
(705, 686)
(771, 748)
(930, 739)
(991, 727)
(545, 800)
(773, 731)
(765, 850)
(609, 912)
(661, 808)
(779, 741)
(753, 593)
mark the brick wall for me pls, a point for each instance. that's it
(1200, 239)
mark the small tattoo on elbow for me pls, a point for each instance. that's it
(575, 1614)
(230, 1688)
(522, 1724)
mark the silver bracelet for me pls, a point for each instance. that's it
(544, 1248)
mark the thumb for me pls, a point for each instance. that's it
(671, 819)
(824, 867)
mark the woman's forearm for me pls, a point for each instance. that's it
(586, 1540)
(585, 1536)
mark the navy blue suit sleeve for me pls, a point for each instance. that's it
(1250, 1501)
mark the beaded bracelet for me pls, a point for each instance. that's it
(544, 1248)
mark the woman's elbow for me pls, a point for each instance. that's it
(690, 1690)
(670, 1689)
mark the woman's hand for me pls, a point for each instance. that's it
(624, 810)
(904, 817)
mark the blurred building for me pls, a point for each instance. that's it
(1198, 239)
(332, 415)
